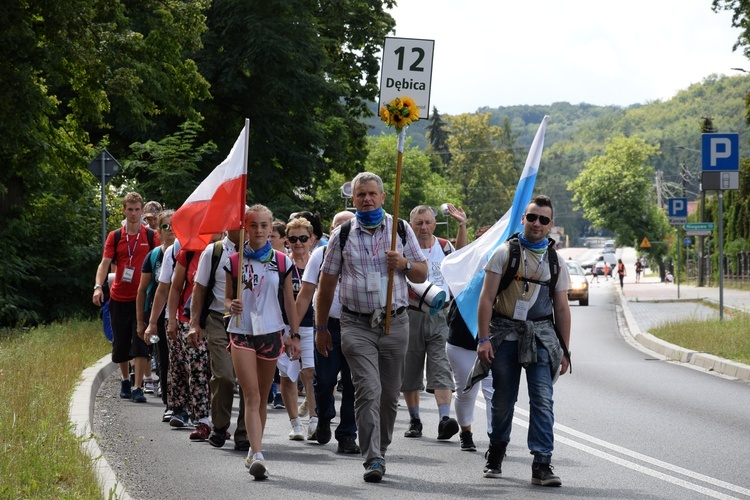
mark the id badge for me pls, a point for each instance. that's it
(383, 290)
(373, 282)
(257, 322)
(127, 275)
(522, 310)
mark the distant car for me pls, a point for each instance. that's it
(579, 285)
(609, 246)
(610, 259)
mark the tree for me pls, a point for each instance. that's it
(438, 133)
(302, 72)
(485, 175)
(614, 191)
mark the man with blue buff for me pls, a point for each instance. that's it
(363, 259)
(517, 330)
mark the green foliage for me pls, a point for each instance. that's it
(484, 173)
(166, 168)
(438, 133)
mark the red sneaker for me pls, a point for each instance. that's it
(201, 432)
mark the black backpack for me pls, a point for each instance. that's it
(514, 260)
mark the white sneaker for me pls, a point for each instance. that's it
(297, 433)
(302, 410)
(312, 426)
(148, 386)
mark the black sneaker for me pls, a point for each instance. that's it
(466, 438)
(348, 446)
(494, 456)
(278, 403)
(137, 395)
(323, 431)
(242, 445)
(542, 475)
(218, 437)
(415, 429)
(125, 392)
(375, 471)
(447, 428)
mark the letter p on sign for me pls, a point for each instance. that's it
(720, 152)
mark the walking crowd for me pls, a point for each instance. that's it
(291, 310)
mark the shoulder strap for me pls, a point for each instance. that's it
(514, 260)
(118, 237)
(401, 230)
(154, 257)
(344, 233)
(554, 269)
(445, 245)
(150, 237)
(215, 258)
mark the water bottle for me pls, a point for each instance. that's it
(154, 339)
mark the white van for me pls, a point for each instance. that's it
(609, 246)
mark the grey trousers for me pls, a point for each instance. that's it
(377, 366)
(222, 377)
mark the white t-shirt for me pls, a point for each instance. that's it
(220, 276)
(435, 256)
(311, 275)
(167, 266)
(261, 311)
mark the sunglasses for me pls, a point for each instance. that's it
(165, 227)
(302, 239)
(543, 219)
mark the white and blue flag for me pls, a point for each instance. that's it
(463, 270)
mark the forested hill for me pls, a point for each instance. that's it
(576, 132)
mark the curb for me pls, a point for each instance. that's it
(81, 415)
(673, 352)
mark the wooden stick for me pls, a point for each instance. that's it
(240, 274)
(394, 230)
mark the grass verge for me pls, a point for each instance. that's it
(39, 368)
(728, 339)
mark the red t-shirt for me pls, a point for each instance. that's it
(131, 252)
(192, 267)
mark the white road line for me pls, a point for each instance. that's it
(637, 456)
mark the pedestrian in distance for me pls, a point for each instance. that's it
(621, 271)
(518, 329)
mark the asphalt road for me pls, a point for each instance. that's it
(627, 426)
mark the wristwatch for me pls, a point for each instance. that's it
(407, 269)
(97, 287)
(294, 336)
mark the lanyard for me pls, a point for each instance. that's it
(373, 257)
(525, 268)
(131, 252)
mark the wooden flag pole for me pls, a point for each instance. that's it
(394, 230)
(241, 250)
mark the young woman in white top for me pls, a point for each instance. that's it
(256, 326)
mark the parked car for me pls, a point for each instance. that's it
(579, 285)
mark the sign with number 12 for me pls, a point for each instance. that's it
(407, 71)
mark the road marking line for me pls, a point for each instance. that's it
(637, 456)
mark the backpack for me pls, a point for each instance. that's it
(209, 297)
(445, 245)
(118, 237)
(154, 256)
(346, 227)
(514, 261)
(511, 274)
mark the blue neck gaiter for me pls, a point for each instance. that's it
(371, 219)
(263, 254)
(538, 247)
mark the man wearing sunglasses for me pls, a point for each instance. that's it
(517, 330)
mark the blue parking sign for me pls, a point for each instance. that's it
(677, 207)
(720, 152)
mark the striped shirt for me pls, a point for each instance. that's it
(363, 255)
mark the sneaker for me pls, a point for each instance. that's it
(348, 446)
(218, 437)
(374, 471)
(257, 468)
(148, 386)
(242, 445)
(494, 456)
(303, 409)
(312, 426)
(138, 396)
(542, 475)
(323, 432)
(466, 438)
(125, 389)
(297, 433)
(447, 428)
(278, 402)
(179, 419)
(201, 433)
(415, 429)
(167, 416)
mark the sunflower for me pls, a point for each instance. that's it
(400, 112)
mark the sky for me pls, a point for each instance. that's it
(501, 53)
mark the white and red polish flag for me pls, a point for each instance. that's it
(218, 204)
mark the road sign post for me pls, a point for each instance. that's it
(104, 166)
